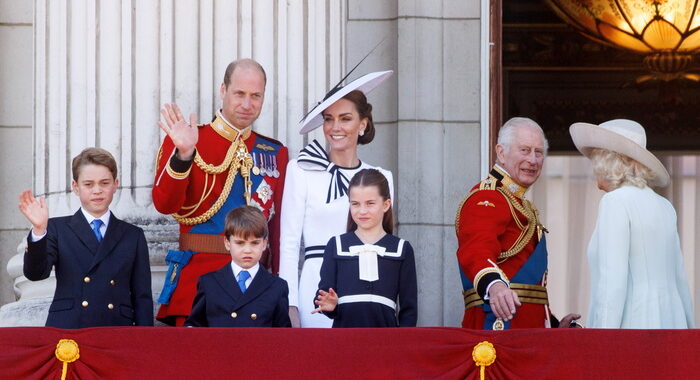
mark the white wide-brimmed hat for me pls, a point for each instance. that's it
(623, 136)
(365, 83)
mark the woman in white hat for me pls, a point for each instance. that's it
(315, 203)
(636, 265)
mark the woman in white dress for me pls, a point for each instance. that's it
(315, 201)
(636, 264)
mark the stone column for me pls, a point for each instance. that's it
(103, 69)
(439, 141)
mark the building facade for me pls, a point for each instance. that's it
(85, 73)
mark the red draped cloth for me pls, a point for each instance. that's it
(152, 353)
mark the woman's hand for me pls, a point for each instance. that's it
(326, 301)
(35, 210)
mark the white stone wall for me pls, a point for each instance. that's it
(16, 21)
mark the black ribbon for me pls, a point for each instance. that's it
(315, 156)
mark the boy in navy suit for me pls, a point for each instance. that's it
(242, 293)
(103, 276)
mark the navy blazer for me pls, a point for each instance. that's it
(220, 303)
(97, 284)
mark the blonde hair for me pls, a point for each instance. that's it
(619, 169)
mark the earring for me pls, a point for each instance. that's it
(362, 132)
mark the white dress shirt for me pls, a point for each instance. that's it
(252, 271)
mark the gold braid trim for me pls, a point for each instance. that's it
(217, 169)
(459, 209)
(527, 209)
(177, 175)
(237, 149)
(526, 231)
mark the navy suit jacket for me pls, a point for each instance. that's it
(220, 303)
(97, 284)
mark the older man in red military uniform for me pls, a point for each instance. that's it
(502, 251)
(204, 171)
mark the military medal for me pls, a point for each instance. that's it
(275, 172)
(256, 164)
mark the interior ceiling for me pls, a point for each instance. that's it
(557, 77)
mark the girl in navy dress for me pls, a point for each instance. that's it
(368, 276)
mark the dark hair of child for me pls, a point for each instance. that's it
(94, 156)
(244, 222)
(373, 177)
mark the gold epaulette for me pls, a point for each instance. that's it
(489, 183)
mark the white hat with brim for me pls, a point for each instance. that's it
(623, 136)
(365, 83)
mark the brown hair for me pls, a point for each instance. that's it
(373, 177)
(245, 221)
(243, 62)
(364, 109)
(94, 156)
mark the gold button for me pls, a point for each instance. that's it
(110, 306)
(234, 315)
(112, 282)
(86, 279)
(253, 316)
(85, 304)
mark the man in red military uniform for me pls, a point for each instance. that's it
(502, 251)
(205, 171)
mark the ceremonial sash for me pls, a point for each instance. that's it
(529, 275)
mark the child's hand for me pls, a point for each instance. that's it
(35, 210)
(326, 301)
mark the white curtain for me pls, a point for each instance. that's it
(567, 198)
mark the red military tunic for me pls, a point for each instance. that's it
(490, 246)
(199, 196)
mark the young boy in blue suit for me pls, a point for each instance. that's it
(103, 276)
(242, 293)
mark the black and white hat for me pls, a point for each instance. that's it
(365, 83)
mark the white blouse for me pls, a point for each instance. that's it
(637, 274)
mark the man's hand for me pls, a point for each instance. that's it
(326, 301)
(294, 316)
(35, 210)
(184, 135)
(566, 321)
(503, 301)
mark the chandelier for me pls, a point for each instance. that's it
(667, 32)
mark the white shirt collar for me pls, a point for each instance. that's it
(237, 269)
(104, 218)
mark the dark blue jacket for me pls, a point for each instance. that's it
(397, 283)
(97, 284)
(220, 303)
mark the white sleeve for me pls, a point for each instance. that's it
(292, 224)
(612, 266)
(36, 238)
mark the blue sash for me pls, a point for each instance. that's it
(530, 273)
